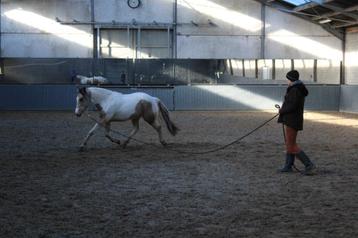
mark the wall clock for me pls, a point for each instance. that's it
(133, 3)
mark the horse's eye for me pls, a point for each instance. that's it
(81, 100)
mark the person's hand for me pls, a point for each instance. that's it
(279, 108)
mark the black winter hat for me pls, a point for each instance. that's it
(293, 75)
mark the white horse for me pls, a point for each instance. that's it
(92, 80)
(115, 106)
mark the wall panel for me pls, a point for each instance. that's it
(61, 97)
(242, 97)
(250, 97)
(349, 98)
(351, 59)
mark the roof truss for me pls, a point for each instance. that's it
(335, 16)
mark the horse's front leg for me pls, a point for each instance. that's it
(105, 121)
(108, 130)
(101, 112)
(90, 133)
(133, 132)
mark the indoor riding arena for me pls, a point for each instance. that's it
(209, 84)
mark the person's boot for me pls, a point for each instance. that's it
(290, 159)
(309, 166)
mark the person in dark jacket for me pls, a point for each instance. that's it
(291, 115)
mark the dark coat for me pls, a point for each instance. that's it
(291, 112)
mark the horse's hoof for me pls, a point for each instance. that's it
(124, 146)
(164, 143)
(81, 149)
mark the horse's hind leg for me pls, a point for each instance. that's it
(108, 130)
(152, 118)
(135, 123)
(156, 125)
(90, 133)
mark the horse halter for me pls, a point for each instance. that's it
(79, 107)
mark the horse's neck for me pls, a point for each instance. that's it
(81, 77)
(99, 95)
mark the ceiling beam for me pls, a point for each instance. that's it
(296, 13)
(305, 6)
(352, 29)
(332, 14)
(348, 24)
(336, 9)
(311, 4)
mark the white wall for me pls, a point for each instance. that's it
(349, 95)
(160, 11)
(224, 29)
(290, 37)
(29, 29)
(235, 32)
(351, 59)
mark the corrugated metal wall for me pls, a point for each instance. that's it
(250, 97)
(61, 97)
(37, 97)
(349, 98)
(200, 97)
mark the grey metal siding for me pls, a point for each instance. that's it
(61, 97)
(250, 97)
(37, 97)
(205, 97)
(349, 98)
(325, 97)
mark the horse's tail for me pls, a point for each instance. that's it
(172, 128)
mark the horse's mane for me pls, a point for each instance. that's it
(100, 90)
(103, 91)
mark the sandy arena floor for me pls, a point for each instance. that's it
(49, 189)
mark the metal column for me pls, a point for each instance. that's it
(263, 30)
(175, 20)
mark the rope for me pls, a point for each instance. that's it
(33, 64)
(192, 152)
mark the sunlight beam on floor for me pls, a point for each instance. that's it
(327, 118)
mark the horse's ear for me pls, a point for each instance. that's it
(83, 91)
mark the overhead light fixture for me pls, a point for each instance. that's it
(324, 21)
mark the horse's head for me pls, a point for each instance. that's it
(82, 101)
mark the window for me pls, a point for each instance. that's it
(136, 43)
(297, 2)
